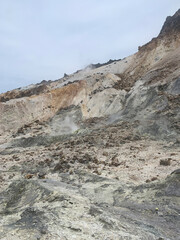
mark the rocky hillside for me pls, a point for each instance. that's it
(94, 155)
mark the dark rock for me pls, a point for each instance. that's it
(66, 75)
(41, 175)
(32, 218)
(154, 178)
(28, 176)
(177, 171)
(94, 211)
(165, 162)
(171, 25)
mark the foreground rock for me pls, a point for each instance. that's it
(86, 206)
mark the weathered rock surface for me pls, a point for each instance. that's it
(84, 206)
(95, 155)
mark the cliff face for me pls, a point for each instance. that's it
(107, 90)
(89, 156)
(17, 112)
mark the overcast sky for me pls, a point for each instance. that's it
(43, 39)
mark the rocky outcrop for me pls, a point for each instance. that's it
(171, 25)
